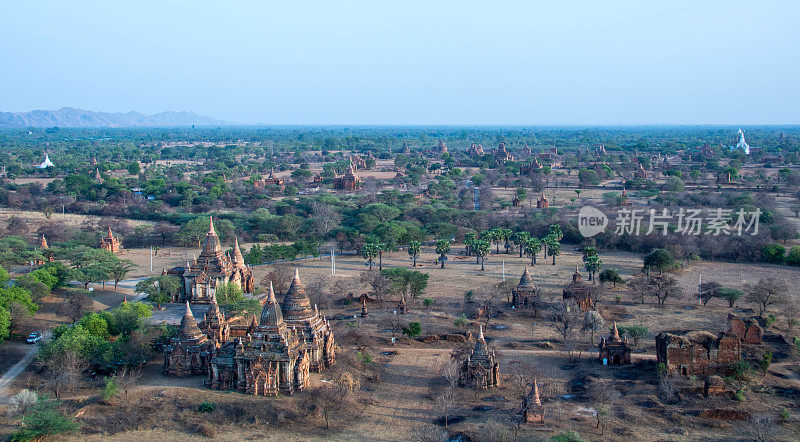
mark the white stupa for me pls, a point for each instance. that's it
(742, 144)
(47, 163)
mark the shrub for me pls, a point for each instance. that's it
(774, 253)
(659, 259)
(23, 401)
(207, 429)
(739, 395)
(44, 419)
(413, 329)
(740, 370)
(206, 407)
(765, 361)
(110, 389)
(785, 415)
(567, 436)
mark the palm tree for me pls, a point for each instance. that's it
(520, 239)
(369, 252)
(532, 248)
(482, 249)
(442, 249)
(553, 246)
(591, 261)
(505, 236)
(469, 240)
(413, 250)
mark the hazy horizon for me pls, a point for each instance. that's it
(410, 64)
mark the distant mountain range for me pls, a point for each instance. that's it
(71, 117)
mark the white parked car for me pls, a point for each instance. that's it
(34, 337)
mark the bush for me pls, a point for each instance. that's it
(110, 389)
(44, 419)
(659, 259)
(207, 429)
(207, 407)
(23, 401)
(739, 395)
(567, 436)
(765, 361)
(413, 329)
(793, 258)
(774, 253)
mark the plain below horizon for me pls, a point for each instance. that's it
(70, 117)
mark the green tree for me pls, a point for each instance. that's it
(160, 289)
(774, 253)
(44, 419)
(413, 329)
(591, 261)
(793, 258)
(612, 276)
(659, 259)
(520, 239)
(469, 241)
(414, 250)
(482, 249)
(119, 269)
(442, 249)
(505, 236)
(532, 248)
(553, 246)
(369, 252)
(636, 332)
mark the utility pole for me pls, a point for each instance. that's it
(151, 258)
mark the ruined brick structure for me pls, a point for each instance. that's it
(542, 203)
(640, 172)
(212, 268)
(524, 293)
(747, 330)
(613, 349)
(349, 181)
(532, 408)
(274, 356)
(698, 353)
(111, 243)
(271, 180)
(475, 151)
(481, 370)
(579, 292)
(187, 354)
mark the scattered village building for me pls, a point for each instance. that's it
(524, 294)
(349, 181)
(203, 275)
(614, 350)
(481, 370)
(532, 408)
(698, 353)
(579, 292)
(111, 243)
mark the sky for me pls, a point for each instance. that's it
(409, 62)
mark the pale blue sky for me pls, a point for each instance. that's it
(409, 62)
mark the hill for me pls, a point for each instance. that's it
(71, 117)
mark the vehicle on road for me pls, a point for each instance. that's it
(34, 337)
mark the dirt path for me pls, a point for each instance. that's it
(15, 371)
(784, 370)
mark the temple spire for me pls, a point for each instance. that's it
(536, 399)
(615, 332)
(271, 292)
(211, 230)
